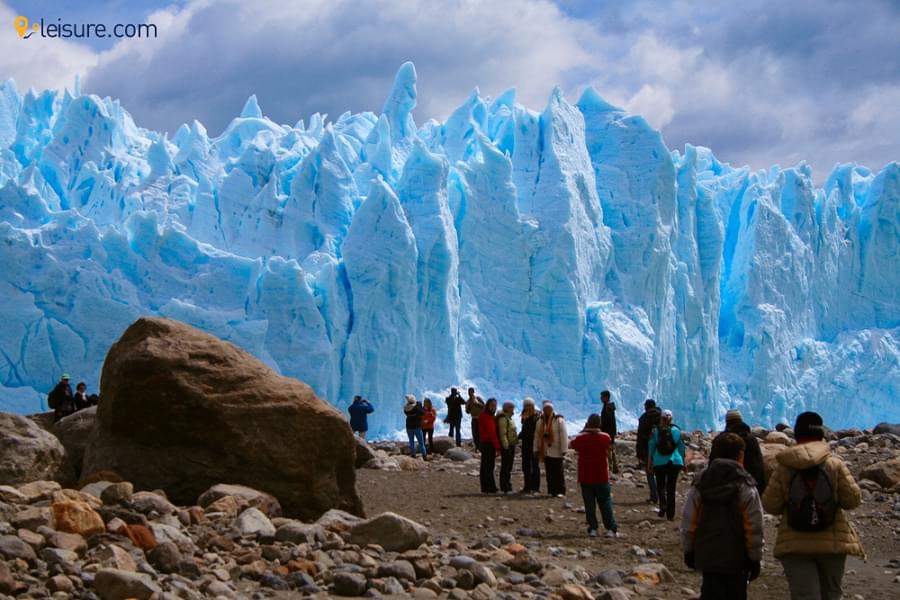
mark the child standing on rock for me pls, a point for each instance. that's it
(593, 446)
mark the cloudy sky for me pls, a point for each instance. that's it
(760, 81)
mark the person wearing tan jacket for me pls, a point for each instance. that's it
(550, 444)
(813, 560)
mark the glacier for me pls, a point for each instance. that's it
(550, 254)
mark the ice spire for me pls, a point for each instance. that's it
(400, 103)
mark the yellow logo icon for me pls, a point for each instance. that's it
(21, 25)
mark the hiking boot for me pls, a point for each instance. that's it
(612, 534)
(592, 533)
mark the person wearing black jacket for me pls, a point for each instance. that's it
(455, 403)
(646, 423)
(414, 411)
(81, 398)
(608, 426)
(753, 458)
(531, 468)
(61, 399)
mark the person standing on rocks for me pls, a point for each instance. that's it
(490, 446)
(81, 399)
(753, 458)
(811, 489)
(551, 443)
(359, 410)
(666, 456)
(429, 416)
(61, 399)
(608, 426)
(455, 403)
(593, 446)
(474, 408)
(722, 523)
(414, 411)
(506, 428)
(531, 470)
(646, 423)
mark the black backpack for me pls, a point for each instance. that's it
(665, 442)
(810, 504)
(51, 399)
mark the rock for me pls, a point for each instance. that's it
(391, 531)
(400, 569)
(12, 547)
(252, 522)
(60, 583)
(166, 557)
(72, 542)
(885, 473)
(556, 577)
(229, 506)
(458, 455)
(483, 574)
(76, 517)
(114, 557)
(652, 574)
(148, 502)
(483, 592)
(574, 591)
(616, 593)
(267, 503)
(349, 584)
(36, 491)
(364, 452)
(408, 463)
(443, 444)
(96, 488)
(117, 493)
(35, 540)
(300, 533)
(198, 395)
(11, 494)
(887, 428)
(32, 518)
(778, 437)
(113, 584)
(74, 432)
(29, 453)
(524, 562)
(169, 533)
(608, 578)
(7, 581)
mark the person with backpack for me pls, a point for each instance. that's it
(61, 399)
(753, 458)
(531, 469)
(551, 442)
(490, 446)
(414, 411)
(593, 445)
(455, 403)
(474, 408)
(359, 410)
(646, 423)
(811, 489)
(506, 429)
(608, 426)
(666, 453)
(429, 416)
(722, 524)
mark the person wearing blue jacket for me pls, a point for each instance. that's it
(665, 455)
(359, 416)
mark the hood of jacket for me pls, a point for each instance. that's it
(722, 479)
(804, 456)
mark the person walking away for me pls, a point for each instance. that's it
(531, 470)
(646, 423)
(455, 403)
(722, 523)
(552, 441)
(414, 411)
(592, 446)
(811, 489)
(753, 458)
(474, 408)
(506, 429)
(359, 410)
(608, 426)
(429, 416)
(490, 446)
(666, 457)
(60, 399)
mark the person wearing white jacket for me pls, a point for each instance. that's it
(550, 444)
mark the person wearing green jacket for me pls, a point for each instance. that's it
(506, 429)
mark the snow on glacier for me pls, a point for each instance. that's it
(551, 254)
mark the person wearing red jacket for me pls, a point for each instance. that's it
(428, 419)
(490, 445)
(593, 446)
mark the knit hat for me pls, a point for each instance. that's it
(410, 399)
(547, 403)
(809, 425)
(733, 415)
(666, 413)
(528, 400)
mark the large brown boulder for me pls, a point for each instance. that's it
(74, 432)
(183, 410)
(30, 453)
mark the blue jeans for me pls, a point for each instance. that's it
(455, 431)
(595, 494)
(416, 434)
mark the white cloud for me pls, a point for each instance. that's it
(654, 103)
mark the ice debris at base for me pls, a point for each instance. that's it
(548, 254)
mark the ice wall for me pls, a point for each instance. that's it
(550, 254)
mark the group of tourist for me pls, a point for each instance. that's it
(63, 402)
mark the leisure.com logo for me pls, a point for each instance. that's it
(65, 30)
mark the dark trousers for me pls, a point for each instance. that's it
(724, 586)
(595, 494)
(455, 431)
(429, 439)
(556, 477)
(666, 481)
(651, 483)
(488, 456)
(531, 470)
(476, 436)
(506, 464)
